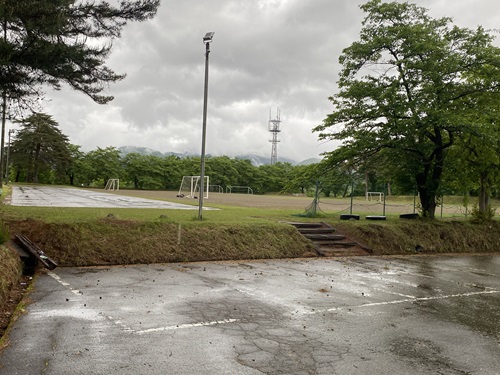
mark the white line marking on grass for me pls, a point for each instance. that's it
(184, 326)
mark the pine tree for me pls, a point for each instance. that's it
(40, 147)
(51, 42)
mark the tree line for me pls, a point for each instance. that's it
(41, 153)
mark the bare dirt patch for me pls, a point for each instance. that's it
(272, 201)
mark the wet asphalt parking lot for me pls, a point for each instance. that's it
(365, 315)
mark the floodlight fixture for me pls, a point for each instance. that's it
(208, 37)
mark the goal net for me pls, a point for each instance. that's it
(372, 195)
(190, 187)
(113, 184)
(239, 189)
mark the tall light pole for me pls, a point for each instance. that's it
(7, 169)
(207, 39)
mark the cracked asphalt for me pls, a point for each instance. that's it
(366, 315)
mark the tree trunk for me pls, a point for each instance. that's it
(427, 201)
(345, 191)
(428, 181)
(484, 196)
(36, 163)
(366, 185)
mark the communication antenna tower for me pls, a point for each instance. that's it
(274, 129)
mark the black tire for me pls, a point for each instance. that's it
(408, 216)
(349, 217)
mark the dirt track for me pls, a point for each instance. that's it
(328, 205)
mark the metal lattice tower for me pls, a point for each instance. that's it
(274, 129)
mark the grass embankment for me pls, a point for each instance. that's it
(425, 236)
(111, 241)
(10, 271)
(11, 290)
(85, 237)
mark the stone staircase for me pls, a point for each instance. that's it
(328, 242)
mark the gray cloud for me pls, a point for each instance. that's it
(265, 54)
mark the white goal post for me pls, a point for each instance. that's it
(190, 187)
(216, 189)
(239, 189)
(371, 194)
(113, 184)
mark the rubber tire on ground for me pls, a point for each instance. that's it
(349, 217)
(376, 217)
(408, 216)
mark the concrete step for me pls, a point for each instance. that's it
(306, 231)
(326, 242)
(323, 237)
(305, 225)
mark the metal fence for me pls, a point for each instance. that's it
(447, 208)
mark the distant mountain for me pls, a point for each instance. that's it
(124, 150)
(263, 160)
(309, 161)
(257, 160)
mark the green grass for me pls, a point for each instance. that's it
(225, 214)
(10, 269)
(87, 236)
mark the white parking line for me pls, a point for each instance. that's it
(409, 300)
(184, 326)
(126, 328)
(64, 283)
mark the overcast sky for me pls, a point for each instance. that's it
(266, 54)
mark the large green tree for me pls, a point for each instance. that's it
(50, 42)
(403, 88)
(105, 163)
(143, 171)
(475, 159)
(40, 147)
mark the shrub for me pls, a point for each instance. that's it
(480, 217)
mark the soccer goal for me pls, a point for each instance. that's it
(216, 189)
(190, 187)
(371, 195)
(239, 189)
(113, 184)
